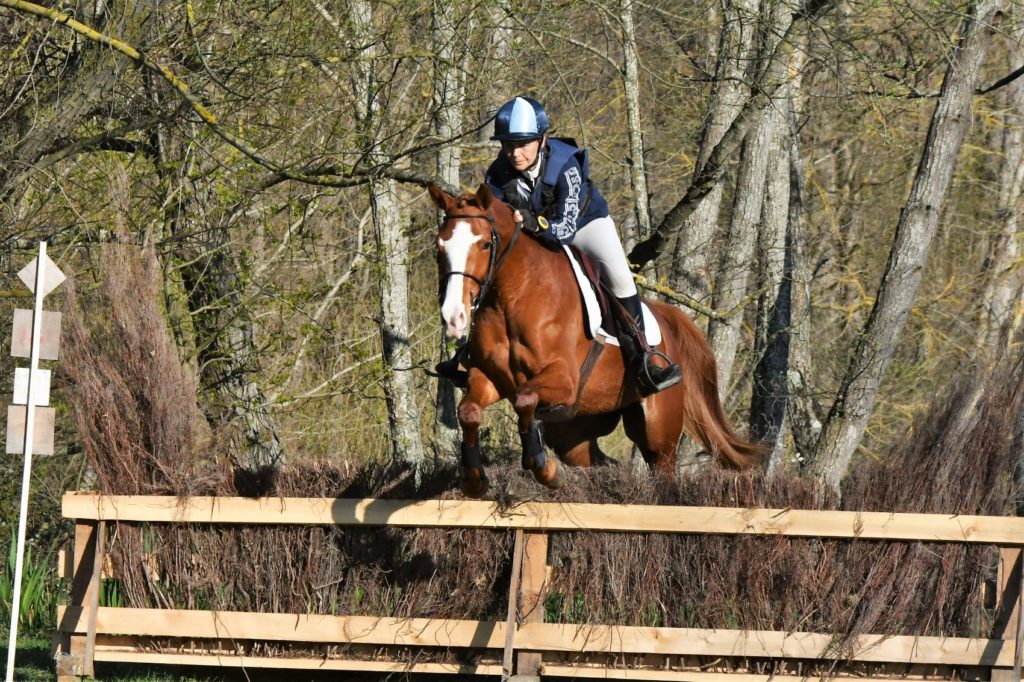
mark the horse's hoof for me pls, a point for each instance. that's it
(551, 475)
(474, 484)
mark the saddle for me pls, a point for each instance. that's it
(606, 319)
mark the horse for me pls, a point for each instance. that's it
(518, 303)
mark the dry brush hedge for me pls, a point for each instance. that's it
(958, 459)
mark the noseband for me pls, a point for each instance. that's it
(495, 262)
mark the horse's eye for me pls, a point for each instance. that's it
(486, 246)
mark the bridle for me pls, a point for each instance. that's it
(484, 285)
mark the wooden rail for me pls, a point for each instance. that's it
(93, 633)
(550, 517)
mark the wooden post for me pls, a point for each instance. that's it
(72, 662)
(513, 601)
(531, 590)
(1006, 625)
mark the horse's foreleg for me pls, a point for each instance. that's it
(553, 386)
(480, 394)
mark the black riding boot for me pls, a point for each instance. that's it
(450, 369)
(652, 375)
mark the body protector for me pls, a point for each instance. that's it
(564, 193)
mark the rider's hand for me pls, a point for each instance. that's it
(531, 222)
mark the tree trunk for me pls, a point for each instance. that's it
(205, 263)
(449, 89)
(705, 177)
(738, 252)
(1001, 268)
(395, 328)
(392, 250)
(779, 345)
(915, 230)
(774, 284)
(737, 255)
(803, 408)
(637, 165)
(690, 268)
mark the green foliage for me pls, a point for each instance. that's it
(110, 593)
(41, 591)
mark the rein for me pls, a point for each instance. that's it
(495, 262)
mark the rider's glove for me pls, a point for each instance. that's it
(532, 223)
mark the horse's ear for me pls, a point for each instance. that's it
(485, 196)
(439, 196)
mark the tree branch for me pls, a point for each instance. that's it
(702, 184)
(333, 178)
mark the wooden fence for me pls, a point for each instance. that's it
(523, 644)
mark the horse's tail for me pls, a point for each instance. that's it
(704, 418)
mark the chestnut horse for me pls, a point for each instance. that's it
(520, 306)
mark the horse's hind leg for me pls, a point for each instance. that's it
(655, 425)
(480, 394)
(575, 442)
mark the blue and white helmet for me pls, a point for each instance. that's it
(522, 118)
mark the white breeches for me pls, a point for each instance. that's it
(600, 240)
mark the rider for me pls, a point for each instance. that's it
(547, 181)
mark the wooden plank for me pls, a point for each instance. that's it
(540, 636)
(238, 625)
(592, 672)
(531, 608)
(1007, 613)
(82, 586)
(116, 655)
(513, 602)
(1018, 646)
(763, 644)
(1008, 531)
(94, 599)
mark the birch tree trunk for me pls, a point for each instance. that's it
(448, 94)
(395, 327)
(844, 426)
(637, 164)
(1001, 268)
(690, 267)
(392, 249)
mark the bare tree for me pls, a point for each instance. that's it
(781, 339)
(392, 242)
(706, 176)
(631, 87)
(691, 270)
(847, 419)
(774, 259)
(449, 91)
(1001, 269)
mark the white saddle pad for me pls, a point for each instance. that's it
(592, 310)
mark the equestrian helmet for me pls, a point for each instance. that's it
(522, 118)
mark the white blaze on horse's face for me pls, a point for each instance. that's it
(455, 307)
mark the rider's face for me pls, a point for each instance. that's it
(522, 154)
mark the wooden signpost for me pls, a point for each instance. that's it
(30, 420)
